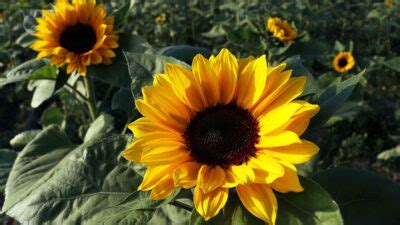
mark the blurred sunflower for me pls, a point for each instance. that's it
(226, 123)
(160, 19)
(343, 62)
(281, 30)
(78, 34)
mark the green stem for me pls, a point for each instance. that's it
(182, 205)
(91, 101)
(74, 90)
(130, 117)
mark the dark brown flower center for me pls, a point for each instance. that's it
(342, 62)
(78, 38)
(222, 135)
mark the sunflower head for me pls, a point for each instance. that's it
(281, 30)
(225, 123)
(160, 19)
(77, 34)
(343, 62)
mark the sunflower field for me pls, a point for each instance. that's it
(215, 112)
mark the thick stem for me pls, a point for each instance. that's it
(91, 101)
(182, 205)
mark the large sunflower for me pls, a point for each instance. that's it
(78, 34)
(281, 30)
(343, 62)
(226, 123)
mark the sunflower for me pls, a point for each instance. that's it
(78, 34)
(226, 123)
(281, 30)
(343, 62)
(160, 19)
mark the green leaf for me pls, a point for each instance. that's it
(393, 63)
(101, 127)
(22, 139)
(184, 53)
(122, 13)
(390, 154)
(171, 215)
(332, 98)
(142, 67)
(123, 100)
(117, 73)
(23, 71)
(363, 197)
(216, 31)
(25, 40)
(42, 90)
(294, 63)
(7, 158)
(313, 206)
(46, 72)
(52, 115)
(56, 182)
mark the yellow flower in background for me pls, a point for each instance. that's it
(160, 19)
(78, 34)
(281, 30)
(343, 62)
(389, 3)
(225, 123)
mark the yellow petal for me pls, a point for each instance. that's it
(206, 78)
(301, 119)
(281, 139)
(259, 200)
(155, 175)
(226, 68)
(251, 82)
(143, 126)
(162, 190)
(289, 181)
(243, 174)
(185, 175)
(266, 169)
(209, 204)
(293, 88)
(186, 87)
(294, 153)
(277, 117)
(210, 178)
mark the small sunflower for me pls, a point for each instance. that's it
(160, 19)
(78, 34)
(281, 30)
(343, 62)
(225, 123)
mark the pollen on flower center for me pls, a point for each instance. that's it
(78, 38)
(222, 135)
(342, 62)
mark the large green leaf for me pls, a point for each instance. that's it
(363, 197)
(313, 206)
(23, 138)
(7, 158)
(23, 71)
(142, 67)
(56, 182)
(101, 127)
(333, 97)
(42, 90)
